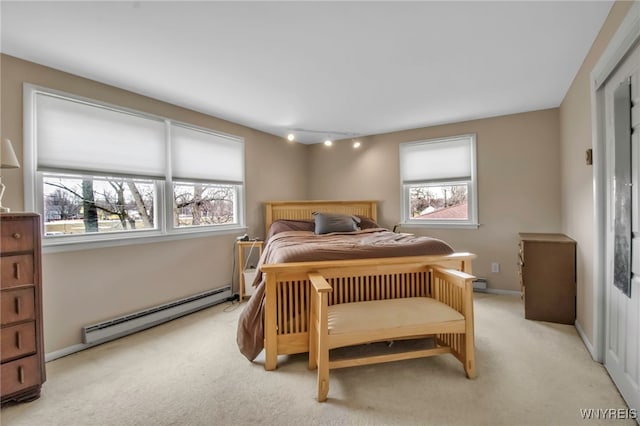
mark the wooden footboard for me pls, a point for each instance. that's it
(287, 295)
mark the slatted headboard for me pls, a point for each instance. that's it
(303, 210)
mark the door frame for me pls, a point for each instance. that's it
(624, 40)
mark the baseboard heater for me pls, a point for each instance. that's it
(137, 321)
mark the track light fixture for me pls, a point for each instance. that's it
(302, 134)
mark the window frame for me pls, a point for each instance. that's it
(165, 230)
(190, 228)
(157, 184)
(472, 188)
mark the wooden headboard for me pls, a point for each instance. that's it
(303, 210)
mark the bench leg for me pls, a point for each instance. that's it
(319, 333)
(469, 356)
(470, 369)
(321, 349)
(323, 378)
(319, 358)
(469, 363)
(313, 348)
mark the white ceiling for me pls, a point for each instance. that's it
(334, 69)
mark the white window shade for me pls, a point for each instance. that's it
(438, 160)
(73, 135)
(203, 156)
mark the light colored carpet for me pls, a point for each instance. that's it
(189, 372)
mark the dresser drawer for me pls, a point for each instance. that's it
(18, 305)
(16, 235)
(16, 270)
(18, 340)
(20, 374)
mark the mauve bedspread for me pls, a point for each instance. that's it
(304, 246)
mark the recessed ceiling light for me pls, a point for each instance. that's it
(291, 137)
(356, 144)
(328, 142)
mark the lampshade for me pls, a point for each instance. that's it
(8, 159)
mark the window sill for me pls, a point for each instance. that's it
(444, 225)
(66, 244)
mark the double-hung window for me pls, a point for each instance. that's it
(203, 194)
(100, 172)
(438, 179)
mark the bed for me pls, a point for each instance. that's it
(277, 317)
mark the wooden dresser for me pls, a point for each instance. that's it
(548, 277)
(22, 348)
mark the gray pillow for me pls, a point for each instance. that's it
(334, 222)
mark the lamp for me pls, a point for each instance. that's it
(8, 160)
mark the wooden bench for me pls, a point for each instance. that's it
(447, 315)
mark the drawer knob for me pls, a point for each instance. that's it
(17, 235)
(21, 374)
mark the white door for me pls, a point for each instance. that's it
(622, 316)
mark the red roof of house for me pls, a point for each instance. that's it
(454, 212)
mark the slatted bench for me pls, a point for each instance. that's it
(446, 315)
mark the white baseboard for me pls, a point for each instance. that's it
(50, 356)
(586, 342)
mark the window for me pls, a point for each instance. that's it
(84, 204)
(99, 172)
(439, 182)
(200, 204)
(205, 195)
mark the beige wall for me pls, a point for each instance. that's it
(518, 183)
(577, 177)
(84, 287)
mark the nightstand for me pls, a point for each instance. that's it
(245, 276)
